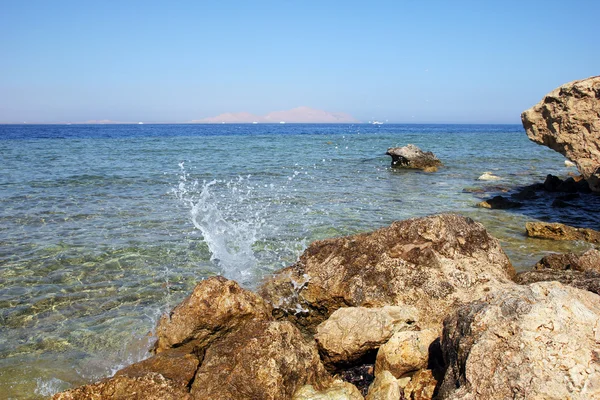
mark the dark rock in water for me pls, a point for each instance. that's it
(527, 193)
(570, 196)
(500, 203)
(588, 261)
(568, 186)
(360, 376)
(589, 281)
(556, 231)
(558, 203)
(410, 156)
(552, 183)
(583, 186)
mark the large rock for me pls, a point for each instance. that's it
(421, 386)
(173, 364)
(568, 121)
(540, 341)
(405, 352)
(556, 231)
(338, 390)
(410, 156)
(585, 280)
(588, 261)
(216, 307)
(433, 263)
(264, 360)
(384, 387)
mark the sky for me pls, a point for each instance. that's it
(397, 61)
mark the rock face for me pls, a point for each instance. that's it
(410, 156)
(539, 341)
(556, 231)
(568, 121)
(433, 263)
(405, 352)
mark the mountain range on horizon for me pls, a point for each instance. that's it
(295, 115)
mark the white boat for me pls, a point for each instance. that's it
(282, 122)
(377, 123)
(140, 123)
(255, 122)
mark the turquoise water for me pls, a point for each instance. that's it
(103, 228)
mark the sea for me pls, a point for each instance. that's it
(103, 228)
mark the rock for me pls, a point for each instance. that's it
(405, 352)
(588, 261)
(361, 376)
(552, 183)
(556, 231)
(147, 387)
(539, 341)
(566, 120)
(421, 386)
(264, 360)
(488, 176)
(216, 307)
(433, 263)
(410, 156)
(568, 186)
(569, 163)
(351, 333)
(526, 193)
(500, 203)
(589, 281)
(172, 364)
(338, 390)
(385, 387)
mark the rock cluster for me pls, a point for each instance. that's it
(412, 157)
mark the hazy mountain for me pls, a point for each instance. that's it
(295, 115)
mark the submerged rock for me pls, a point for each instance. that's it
(499, 203)
(538, 341)
(410, 156)
(556, 231)
(566, 120)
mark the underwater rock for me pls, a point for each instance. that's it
(566, 120)
(384, 387)
(556, 231)
(405, 352)
(338, 390)
(410, 156)
(350, 333)
(499, 203)
(433, 263)
(173, 364)
(538, 341)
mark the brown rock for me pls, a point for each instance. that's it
(405, 352)
(263, 360)
(173, 364)
(433, 263)
(216, 307)
(148, 387)
(499, 203)
(556, 231)
(338, 390)
(566, 120)
(589, 281)
(385, 387)
(421, 386)
(412, 157)
(588, 261)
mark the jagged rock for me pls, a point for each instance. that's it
(539, 341)
(338, 390)
(147, 387)
(421, 386)
(384, 387)
(433, 263)
(215, 307)
(488, 176)
(350, 333)
(410, 156)
(405, 352)
(500, 203)
(556, 231)
(567, 120)
(552, 183)
(588, 261)
(589, 281)
(264, 360)
(173, 364)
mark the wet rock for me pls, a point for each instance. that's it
(384, 387)
(566, 120)
(526, 193)
(500, 203)
(351, 333)
(216, 307)
(433, 263)
(588, 261)
(172, 364)
(488, 176)
(410, 156)
(536, 341)
(556, 231)
(338, 390)
(421, 386)
(552, 183)
(568, 186)
(589, 281)
(405, 352)
(147, 387)
(264, 360)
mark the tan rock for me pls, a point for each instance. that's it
(421, 386)
(540, 341)
(338, 390)
(263, 360)
(405, 352)
(582, 280)
(556, 231)
(384, 387)
(351, 332)
(216, 307)
(434, 264)
(566, 120)
(173, 364)
(148, 387)
(588, 261)
(412, 157)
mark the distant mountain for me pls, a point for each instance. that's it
(295, 115)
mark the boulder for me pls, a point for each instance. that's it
(338, 390)
(405, 352)
(410, 156)
(540, 341)
(567, 120)
(589, 281)
(173, 364)
(351, 333)
(421, 386)
(556, 231)
(500, 203)
(264, 360)
(588, 261)
(216, 307)
(384, 387)
(433, 263)
(147, 387)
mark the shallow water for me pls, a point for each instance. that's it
(102, 228)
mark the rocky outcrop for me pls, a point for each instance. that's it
(499, 203)
(434, 263)
(588, 261)
(556, 231)
(410, 156)
(537, 341)
(568, 121)
(405, 352)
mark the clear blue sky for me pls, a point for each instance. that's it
(402, 61)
